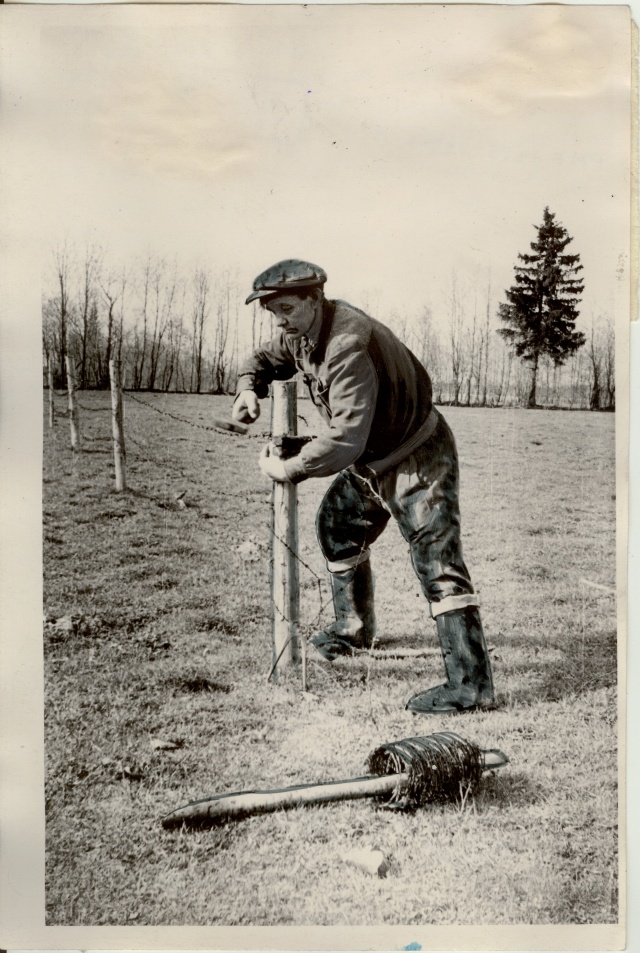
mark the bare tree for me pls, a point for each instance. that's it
(594, 356)
(58, 334)
(164, 290)
(219, 360)
(175, 329)
(90, 270)
(578, 383)
(50, 331)
(140, 337)
(119, 330)
(456, 339)
(199, 314)
(255, 325)
(485, 345)
(600, 352)
(113, 290)
(503, 379)
(609, 364)
(473, 356)
(423, 339)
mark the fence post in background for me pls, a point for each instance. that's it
(117, 425)
(285, 592)
(52, 412)
(74, 420)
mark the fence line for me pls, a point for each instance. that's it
(323, 604)
(142, 451)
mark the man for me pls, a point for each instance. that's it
(394, 455)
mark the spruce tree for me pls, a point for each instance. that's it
(542, 306)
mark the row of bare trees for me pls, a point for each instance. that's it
(186, 331)
(171, 330)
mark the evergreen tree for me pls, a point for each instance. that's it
(541, 307)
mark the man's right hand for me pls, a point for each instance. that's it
(246, 408)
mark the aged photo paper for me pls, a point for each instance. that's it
(451, 179)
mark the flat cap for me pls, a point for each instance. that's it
(286, 276)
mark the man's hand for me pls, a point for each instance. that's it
(246, 407)
(272, 466)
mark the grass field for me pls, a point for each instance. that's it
(157, 628)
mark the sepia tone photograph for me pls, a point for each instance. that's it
(331, 353)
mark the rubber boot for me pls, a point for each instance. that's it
(469, 682)
(354, 627)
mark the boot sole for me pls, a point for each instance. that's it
(319, 655)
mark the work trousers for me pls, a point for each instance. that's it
(421, 493)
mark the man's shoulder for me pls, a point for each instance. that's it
(353, 325)
(349, 326)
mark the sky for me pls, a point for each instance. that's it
(393, 146)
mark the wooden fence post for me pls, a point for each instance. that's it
(117, 425)
(285, 592)
(52, 411)
(74, 420)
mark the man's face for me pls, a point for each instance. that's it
(293, 314)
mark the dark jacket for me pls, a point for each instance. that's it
(371, 390)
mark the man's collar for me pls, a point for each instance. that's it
(310, 340)
(319, 332)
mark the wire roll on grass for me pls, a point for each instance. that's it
(437, 766)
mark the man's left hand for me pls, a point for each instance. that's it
(272, 466)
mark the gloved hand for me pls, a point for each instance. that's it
(272, 466)
(246, 407)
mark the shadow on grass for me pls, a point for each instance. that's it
(589, 664)
(515, 789)
(359, 672)
(192, 684)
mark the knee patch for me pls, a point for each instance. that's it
(349, 562)
(454, 603)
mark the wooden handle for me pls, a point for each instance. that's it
(243, 803)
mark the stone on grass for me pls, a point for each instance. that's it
(371, 860)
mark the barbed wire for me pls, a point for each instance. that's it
(183, 420)
(65, 413)
(143, 452)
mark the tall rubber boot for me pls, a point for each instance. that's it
(354, 626)
(469, 682)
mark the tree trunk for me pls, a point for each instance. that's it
(52, 412)
(531, 402)
(62, 278)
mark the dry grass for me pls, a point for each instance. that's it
(171, 639)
